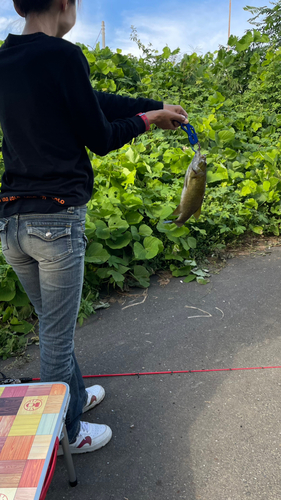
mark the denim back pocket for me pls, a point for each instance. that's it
(3, 233)
(50, 241)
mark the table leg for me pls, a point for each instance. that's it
(68, 458)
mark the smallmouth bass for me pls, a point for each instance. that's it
(193, 190)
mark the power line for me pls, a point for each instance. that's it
(98, 37)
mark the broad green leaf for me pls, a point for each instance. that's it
(111, 85)
(141, 274)
(235, 175)
(23, 327)
(103, 233)
(165, 212)
(7, 290)
(115, 222)
(25, 312)
(7, 314)
(130, 177)
(118, 277)
(123, 269)
(120, 242)
(179, 231)
(251, 203)
(105, 66)
(20, 299)
(183, 271)
(131, 200)
(255, 126)
(100, 224)
(229, 153)
(226, 135)
(90, 229)
(232, 41)
(218, 175)
(190, 278)
(133, 218)
(139, 251)
(266, 185)
(173, 257)
(244, 42)
(257, 229)
(249, 187)
(199, 272)
(153, 246)
(191, 242)
(135, 233)
(103, 272)
(146, 81)
(15, 321)
(166, 53)
(145, 230)
(96, 254)
(216, 98)
(115, 261)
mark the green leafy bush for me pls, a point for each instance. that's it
(233, 98)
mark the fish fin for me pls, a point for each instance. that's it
(177, 211)
(197, 213)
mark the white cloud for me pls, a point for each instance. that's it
(200, 27)
(10, 25)
(192, 26)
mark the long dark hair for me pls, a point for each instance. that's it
(27, 6)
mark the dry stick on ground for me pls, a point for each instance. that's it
(199, 316)
(138, 303)
(220, 311)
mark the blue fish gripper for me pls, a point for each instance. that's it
(192, 136)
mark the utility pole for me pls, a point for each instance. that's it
(229, 21)
(103, 34)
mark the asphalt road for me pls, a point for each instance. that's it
(194, 436)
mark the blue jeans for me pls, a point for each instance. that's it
(47, 253)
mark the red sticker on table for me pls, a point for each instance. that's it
(32, 405)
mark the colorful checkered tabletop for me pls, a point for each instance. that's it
(31, 417)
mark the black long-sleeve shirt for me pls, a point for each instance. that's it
(49, 113)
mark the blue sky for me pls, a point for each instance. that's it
(200, 25)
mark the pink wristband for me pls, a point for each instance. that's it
(145, 120)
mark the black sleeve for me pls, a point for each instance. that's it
(91, 125)
(116, 106)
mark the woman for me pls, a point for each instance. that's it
(49, 113)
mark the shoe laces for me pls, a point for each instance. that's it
(92, 430)
(84, 427)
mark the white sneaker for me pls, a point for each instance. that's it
(96, 394)
(91, 437)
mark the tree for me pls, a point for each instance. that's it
(268, 21)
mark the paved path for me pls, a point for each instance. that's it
(201, 436)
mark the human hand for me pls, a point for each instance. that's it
(166, 119)
(176, 108)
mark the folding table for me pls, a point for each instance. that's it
(31, 423)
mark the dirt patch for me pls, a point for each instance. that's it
(253, 243)
(249, 245)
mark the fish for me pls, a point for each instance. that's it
(193, 190)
